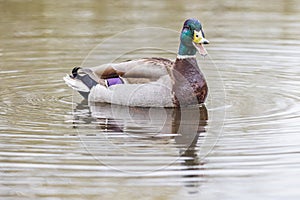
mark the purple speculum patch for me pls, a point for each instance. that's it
(113, 81)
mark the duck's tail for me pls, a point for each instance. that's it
(82, 83)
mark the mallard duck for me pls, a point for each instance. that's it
(149, 82)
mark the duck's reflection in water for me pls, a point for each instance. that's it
(180, 128)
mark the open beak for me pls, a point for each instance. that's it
(198, 41)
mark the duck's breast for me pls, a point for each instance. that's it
(189, 84)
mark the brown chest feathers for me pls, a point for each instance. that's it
(189, 86)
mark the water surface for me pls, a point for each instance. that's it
(244, 144)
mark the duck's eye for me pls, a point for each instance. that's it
(197, 35)
(187, 27)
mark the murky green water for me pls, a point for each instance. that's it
(244, 144)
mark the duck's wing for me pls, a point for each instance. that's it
(135, 72)
(151, 68)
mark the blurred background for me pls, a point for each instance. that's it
(255, 48)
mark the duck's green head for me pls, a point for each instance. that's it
(192, 38)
